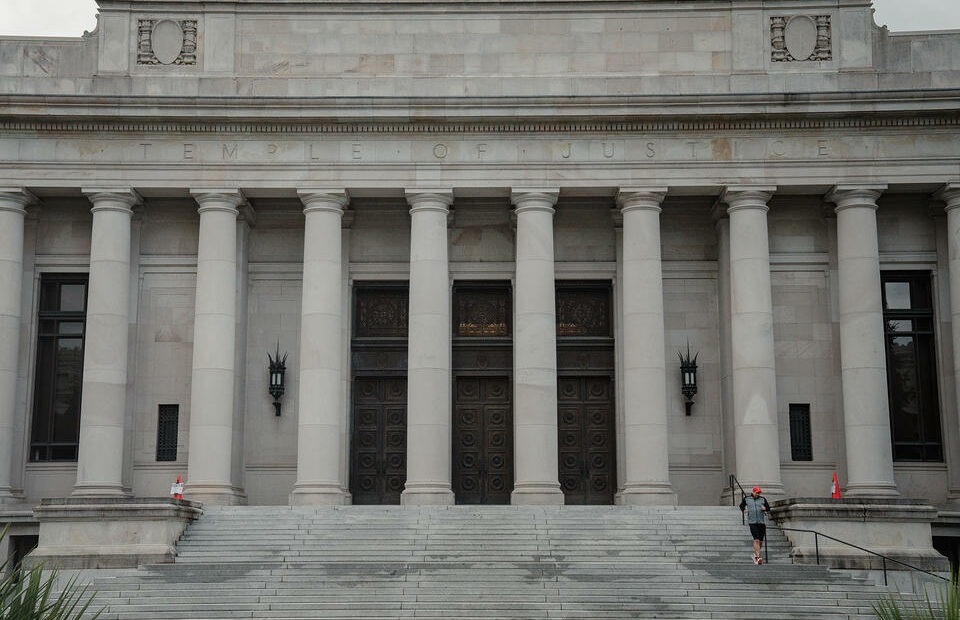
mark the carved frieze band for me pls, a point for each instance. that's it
(167, 42)
(670, 126)
(800, 38)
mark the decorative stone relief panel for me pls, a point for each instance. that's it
(166, 42)
(800, 38)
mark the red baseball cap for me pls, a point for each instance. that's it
(757, 489)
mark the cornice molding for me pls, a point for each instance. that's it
(665, 125)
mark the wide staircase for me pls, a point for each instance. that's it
(477, 562)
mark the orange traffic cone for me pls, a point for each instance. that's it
(176, 489)
(835, 487)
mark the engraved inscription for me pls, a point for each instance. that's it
(362, 152)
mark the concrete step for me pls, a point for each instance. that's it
(505, 562)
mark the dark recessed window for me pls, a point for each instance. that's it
(801, 439)
(911, 366)
(168, 423)
(55, 432)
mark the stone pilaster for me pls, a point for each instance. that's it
(536, 472)
(321, 420)
(103, 406)
(13, 202)
(757, 437)
(210, 451)
(866, 410)
(428, 357)
(646, 475)
(950, 194)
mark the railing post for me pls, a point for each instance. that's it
(816, 545)
(884, 561)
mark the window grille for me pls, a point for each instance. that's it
(801, 440)
(168, 423)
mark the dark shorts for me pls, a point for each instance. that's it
(758, 530)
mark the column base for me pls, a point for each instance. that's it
(7, 497)
(871, 489)
(99, 490)
(537, 494)
(319, 495)
(214, 494)
(646, 495)
(426, 494)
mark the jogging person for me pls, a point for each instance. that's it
(754, 507)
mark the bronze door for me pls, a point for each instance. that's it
(482, 440)
(586, 429)
(379, 440)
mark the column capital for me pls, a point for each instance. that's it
(738, 197)
(16, 199)
(647, 198)
(950, 194)
(534, 198)
(855, 195)
(112, 198)
(218, 199)
(430, 199)
(316, 199)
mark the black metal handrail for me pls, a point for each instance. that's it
(884, 558)
(816, 541)
(733, 480)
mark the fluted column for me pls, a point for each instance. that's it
(536, 470)
(13, 202)
(428, 352)
(646, 475)
(103, 405)
(214, 347)
(863, 367)
(950, 194)
(757, 438)
(321, 415)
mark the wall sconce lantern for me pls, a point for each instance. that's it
(688, 376)
(278, 368)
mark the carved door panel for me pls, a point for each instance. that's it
(587, 436)
(378, 463)
(483, 440)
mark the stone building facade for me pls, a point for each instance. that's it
(479, 234)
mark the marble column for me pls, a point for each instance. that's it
(950, 194)
(103, 406)
(428, 353)
(536, 470)
(863, 367)
(13, 202)
(756, 435)
(321, 413)
(210, 449)
(646, 475)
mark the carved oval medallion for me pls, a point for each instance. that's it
(800, 37)
(167, 41)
